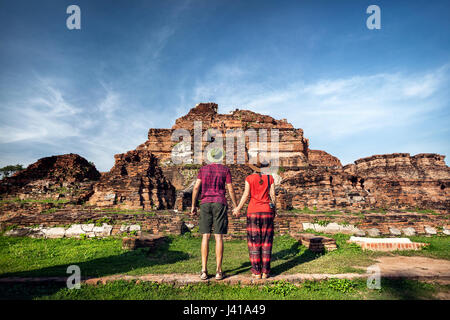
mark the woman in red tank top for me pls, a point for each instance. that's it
(260, 215)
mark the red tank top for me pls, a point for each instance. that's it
(259, 193)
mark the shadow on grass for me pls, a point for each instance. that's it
(241, 269)
(116, 264)
(290, 255)
(121, 263)
(292, 258)
(407, 289)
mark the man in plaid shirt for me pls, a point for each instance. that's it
(213, 178)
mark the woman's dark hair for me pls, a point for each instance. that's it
(263, 164)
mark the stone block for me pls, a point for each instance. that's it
(109, 196)
(387, 244)
(331, 228)
(87, 228)
(395, 231)
(74, 230)
(410, 231)
(143, 241)
(129, 228)
(18, 232)
(373, 232)
(53, 233)
(316, 243)
(430, 230)
(134, 227)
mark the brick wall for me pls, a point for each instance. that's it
(169, 222)
(392, 246)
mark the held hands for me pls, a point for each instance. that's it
(193, 211)
(236, 212)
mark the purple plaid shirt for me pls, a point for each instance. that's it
(214, 177)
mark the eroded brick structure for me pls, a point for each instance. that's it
(134, 182)
(392, 181)
(147, 178)
(68, 176)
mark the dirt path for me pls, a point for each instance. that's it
(414, 267)
(419, 268)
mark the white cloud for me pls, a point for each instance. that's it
(42, 116)
(335, 108)
(96, 129)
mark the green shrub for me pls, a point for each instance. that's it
(280, 287)
(322, 223)
(312, 285)
(341, 285)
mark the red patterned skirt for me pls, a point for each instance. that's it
(259, 240)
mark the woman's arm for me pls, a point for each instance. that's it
(273, 197)
(243, 199)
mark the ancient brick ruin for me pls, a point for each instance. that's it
(134, 182)
(306, 178)
(147, 178)
(392, 181)
(69, 177)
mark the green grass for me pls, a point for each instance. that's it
(418, 210)
(181, 254)
(17, 200)
(306, 210)
(124, 211)
(378, 210)
(131, 211)
(313, 211)
(49, 211)
(439, 247)
(309, 290)
(44, 257)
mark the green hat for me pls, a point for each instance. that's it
(215, 155)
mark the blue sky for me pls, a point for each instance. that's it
(96, 91)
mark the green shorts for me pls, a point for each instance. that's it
(213, 214)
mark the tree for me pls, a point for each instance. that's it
(8, 170)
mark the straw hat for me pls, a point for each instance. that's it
(259, 165)
(215, 155)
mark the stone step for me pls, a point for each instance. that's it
(145, 240)
(387, 244)
(184, 279)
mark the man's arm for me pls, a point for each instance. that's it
(232, 194)
(197, 185)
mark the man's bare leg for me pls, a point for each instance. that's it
(205, 250)
(219, 251)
